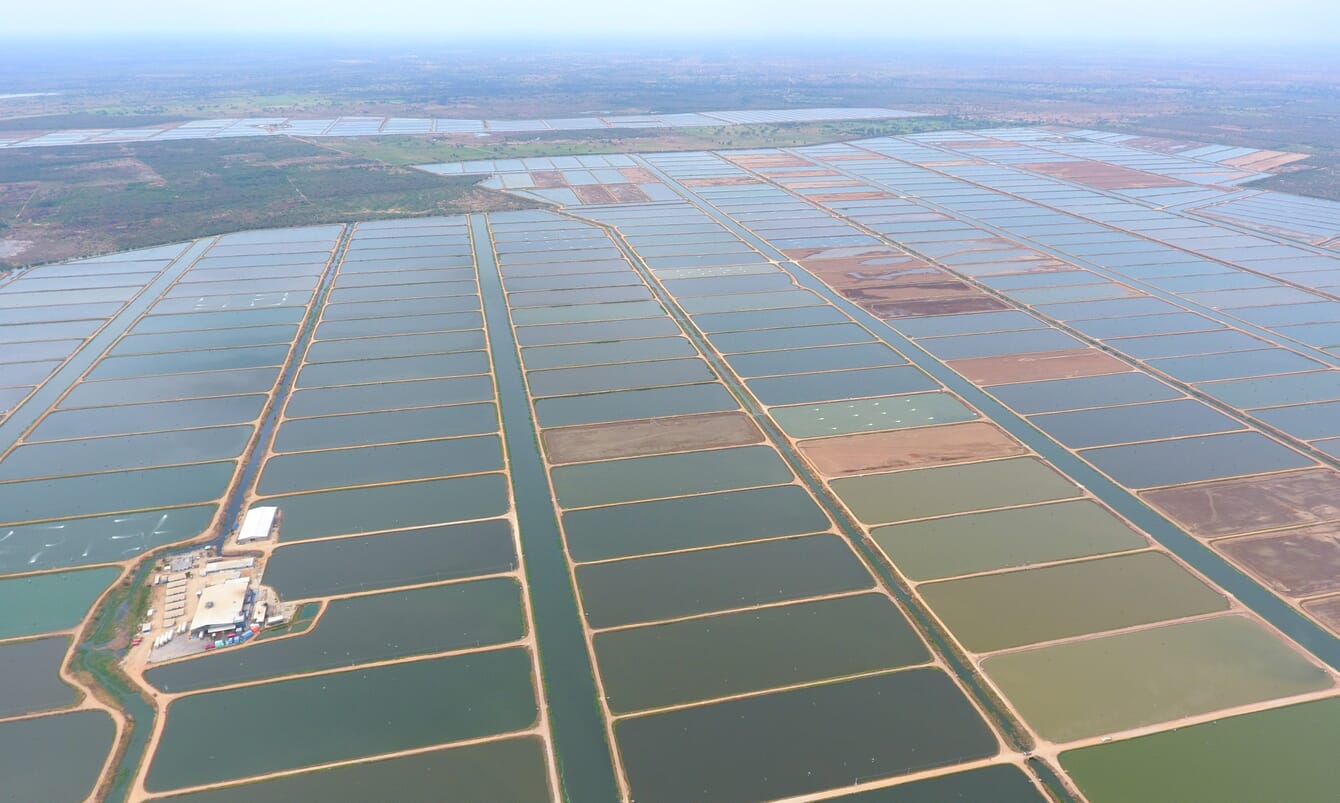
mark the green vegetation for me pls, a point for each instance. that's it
(60, 203)
(411, 150)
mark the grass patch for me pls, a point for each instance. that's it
(412, 150)
(62, 203)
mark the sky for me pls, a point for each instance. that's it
(1137, 20)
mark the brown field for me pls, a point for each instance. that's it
(720, 181)
(908, 448)
(548, 179)
(978, 143)
(1264, 161)
(638, 175)
(843, 275)
(846, 157)
(938, 306)
(627, 193)
(1244, 505)
(593, 193)
(650, 436)
(1067, 364)
(1103, 176)
(1300, 563)
(929, 287)
(757, 160)
(1327, 612)
(871, 195)
(818, 183)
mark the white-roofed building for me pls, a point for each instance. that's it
(258, 524)
(221, 607)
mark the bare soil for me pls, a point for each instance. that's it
(1244, 505)
(1299, 563)
(1103, 176)
(921, 447)
(648, 437)
(1067, 364)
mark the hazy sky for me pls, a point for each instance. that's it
(1163, 20)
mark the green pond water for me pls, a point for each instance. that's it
(1000, 783)
(995, 344)
(55, 601)
(1134, 422)
(923, 493)
(831, 358)
(124, 452)
(236, 301)
(393, 292)
(1220, 760)
(672, 274)
(602, 353)
(54, 759)
(195, 321)
(1184, 344)
(1001, 539)
(870, 415)
(392, 369)
(403, 306)
(1168, 323)
(505, 770)
(1104, 685)
(1305, 421)
(632, 404)
(386, 560)
(806, 740)
(311, 471)
(1055, 395)
(738, 302)
(154, 417)
(1207, 457)
(1270, 392)
(332, 432)
(35, 500)
(403, 325)
(1049, 295)
(32, 676)
(584, 295)
(792, 338)
(624, 376)
(209, 339)
(697, 521)
(363, 629)
(388, 396)
(769, 319)
(371, 348)
(1234, 365)
(719, 285)
(97, 539)
(840, 385)
(572, 281)
(171, 388)
(582, 313)
(603, 331)
(389, 507)
(993, 612)
(312, 720)
(698, 659)
(702, 581)
(668, 475)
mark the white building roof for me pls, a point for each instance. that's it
(220, 604)
(229, 564)
(256, 526)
